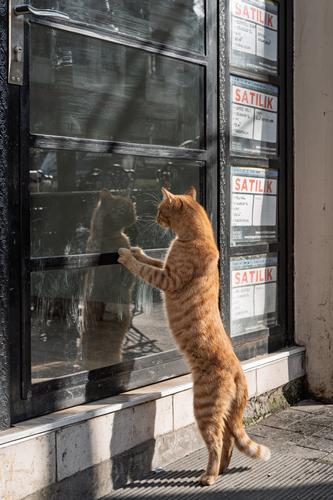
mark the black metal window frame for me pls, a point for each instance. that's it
(273, 338)
(27, 399)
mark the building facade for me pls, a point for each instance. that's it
(100, 108)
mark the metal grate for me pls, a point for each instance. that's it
(285, 476)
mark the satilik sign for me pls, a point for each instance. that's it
(254, 35)
(253, 210)
(253, 293)
(254, 276)
(254, 118)
(253, 185)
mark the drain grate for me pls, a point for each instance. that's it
(285, 476)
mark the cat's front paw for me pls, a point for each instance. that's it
(125, 256)
(137, 252)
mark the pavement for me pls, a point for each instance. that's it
(301, 467)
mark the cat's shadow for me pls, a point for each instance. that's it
(177, 478)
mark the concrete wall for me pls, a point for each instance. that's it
(89, 450)
(314, 189)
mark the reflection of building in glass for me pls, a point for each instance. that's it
(111, 202)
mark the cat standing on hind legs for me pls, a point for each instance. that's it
(189, 278)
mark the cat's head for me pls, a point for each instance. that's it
(182, 213)
(114, 212)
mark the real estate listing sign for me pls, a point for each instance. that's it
(254, 118)
(253, 210)
(253, 294)
(254, 35)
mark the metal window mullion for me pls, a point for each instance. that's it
(77, 261)
(66, 262)
(25, 225)
(258, 77)
(283, 216)
(6, 154)
(211, 115)
(114, 147)
(124, 40)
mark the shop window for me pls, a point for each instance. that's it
(109, 104)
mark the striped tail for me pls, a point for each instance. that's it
(252, 449)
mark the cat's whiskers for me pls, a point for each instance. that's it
(147, 216)
(154, 197)
(149, 227)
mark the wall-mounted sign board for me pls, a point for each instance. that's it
(254, 35)
(253, 293)
(253, 210)
(254, 118)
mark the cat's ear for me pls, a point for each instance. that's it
(105, 194)
(191, 191)
(167, 195)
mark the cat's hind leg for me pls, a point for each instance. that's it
(211, 409)
(227, 449)
(237, 405)
(212, 433)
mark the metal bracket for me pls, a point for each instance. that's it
(17, 14)
(16, 45)
(23, 10)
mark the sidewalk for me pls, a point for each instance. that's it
(301, 467)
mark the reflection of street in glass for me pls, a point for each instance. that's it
(55, 347)
(86, 204)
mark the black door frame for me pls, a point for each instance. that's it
(29, 400)
(5, 417)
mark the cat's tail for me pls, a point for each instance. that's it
(245, 444)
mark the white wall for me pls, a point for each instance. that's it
(314, 189)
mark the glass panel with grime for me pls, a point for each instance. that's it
(173, 23)
(95, 203)
(92, 318)
(89, 88)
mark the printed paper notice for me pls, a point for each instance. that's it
(242, 121)
(242, 302)
(253, 205)
(264, 211)
(265, 299)
(254, 118)
(242, 210)
(254, 35)
(265, 126)
(253, 293)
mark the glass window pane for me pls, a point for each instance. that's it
(179, 23)
(85, 87)
(71, 214)
(91, 318)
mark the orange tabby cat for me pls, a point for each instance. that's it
(189, 277)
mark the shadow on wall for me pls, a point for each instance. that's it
(133, 428)
(128, 445)
(104, 453)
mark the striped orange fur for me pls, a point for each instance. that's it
(189, 277)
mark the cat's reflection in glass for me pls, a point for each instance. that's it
(107, 305)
